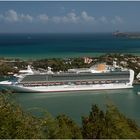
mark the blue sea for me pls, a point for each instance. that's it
(33, 46)
(75, 104)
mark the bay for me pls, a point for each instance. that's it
(73, 104)
(77, 104)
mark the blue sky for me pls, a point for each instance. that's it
(65, 17)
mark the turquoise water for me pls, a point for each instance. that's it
(77, 104)
(32, 46)
(74, 104)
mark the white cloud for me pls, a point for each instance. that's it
(69, 18)
(56, 19)
(103, 19)
(72, 17)
(117, 20)
(43, 18)
(27, 17)
(13, 16)
(86, 17)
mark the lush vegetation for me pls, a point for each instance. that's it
(109, 125)
(58, 64)
(16, 124)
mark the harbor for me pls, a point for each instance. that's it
(69, 70)
(70, 103)
(77, 104)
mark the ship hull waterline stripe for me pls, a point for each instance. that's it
(26, 90)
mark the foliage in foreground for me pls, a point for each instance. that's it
(111, 124)
(16, 124)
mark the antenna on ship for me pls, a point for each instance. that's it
(50, 70)
(29, 67)
(114, 64)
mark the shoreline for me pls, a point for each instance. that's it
(62, 56)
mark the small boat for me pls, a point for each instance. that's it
(138, 92)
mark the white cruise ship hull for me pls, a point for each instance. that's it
(71, 82)
(66, 88)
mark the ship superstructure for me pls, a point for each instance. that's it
(100, 76)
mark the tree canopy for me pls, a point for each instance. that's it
(108, 124)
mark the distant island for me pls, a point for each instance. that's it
(133, 35)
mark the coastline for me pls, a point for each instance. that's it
(125, 99)
(27, 57)
(51, 55)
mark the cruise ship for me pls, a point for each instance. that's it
(97, 77)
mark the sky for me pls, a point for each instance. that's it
(69, 17)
